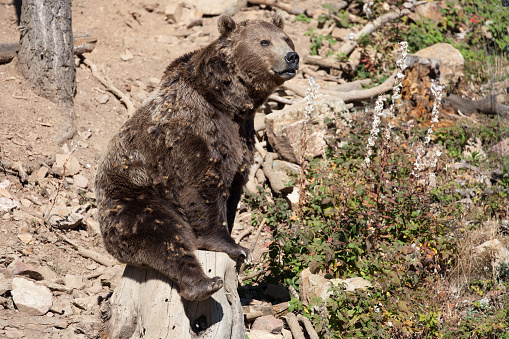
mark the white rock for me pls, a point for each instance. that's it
(74, 281)
(102, 98)
(80, 181)
(30, 298)
(71, 163)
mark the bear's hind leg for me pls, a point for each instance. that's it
(155, 237)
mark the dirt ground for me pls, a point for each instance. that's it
(28, 124)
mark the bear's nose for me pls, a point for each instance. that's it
(292, 59)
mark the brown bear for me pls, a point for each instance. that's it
(170, 180)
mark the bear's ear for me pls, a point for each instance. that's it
(225, 24)
(278, 20)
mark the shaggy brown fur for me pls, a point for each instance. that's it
(170, 180)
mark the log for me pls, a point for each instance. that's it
(146, 304)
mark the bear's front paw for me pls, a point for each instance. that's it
(201, 291)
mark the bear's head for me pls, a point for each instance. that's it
(262, 50)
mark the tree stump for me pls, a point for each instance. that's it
(146, 304)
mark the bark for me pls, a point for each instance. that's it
(45, 57)
(146, 304)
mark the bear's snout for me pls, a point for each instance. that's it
(292, 59)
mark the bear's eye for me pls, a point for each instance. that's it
(287, 40)
(265, 42)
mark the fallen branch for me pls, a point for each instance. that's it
(328, 77)
(278, 4)
(99, 258)
(243, 234)
(487, 105)
(352, 96)
(295, 328)
(349, 46)
(253, 275)
(253, 244)
(118, 93)
(309, 326)
(282, 100)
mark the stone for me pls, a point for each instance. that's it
(93, 227)
(153, 83)
(62, 305)
(430, 10)
(340, 34)
(452, 62)
(173, 11)
(74, 281)
(80, 181)
(69, 221)
(25, 238)
(41, 172)
(7, 204)
(85, 303)
(5, 283)
(217, 7)
(70, 162)
(25, 202)
(258, 334)
(278, 292)
(311, 285)
(18, 267)
(500, 253)
(285, 127)
(127, 55)
(502, 147)
(268, 323)
(47, 273)
(102, 98)
(293, 198)
(30, 298)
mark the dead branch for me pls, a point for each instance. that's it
(352, 96)
(99, 258)
(118, 93)
(253, 275)
(349, 86)
(295, 328)
(277, 98)
(278, 4)
(321, 61)
(241, 236)
(349, 46)
(487, 105)
(253, 244)
(309, 326)
(328, 77)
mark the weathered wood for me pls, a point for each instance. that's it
(487, 105)
(278, 4)
(46, 58)
(146, 304)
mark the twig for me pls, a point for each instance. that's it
(253, 275)
(118, 93)
(253, 244)
(244, 234)
(309, 327)
(276, 3)
(282, 100)
(293, 323)
(99, 258)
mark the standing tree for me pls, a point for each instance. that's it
(46, 56)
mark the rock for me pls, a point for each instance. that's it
(217, 7)
(25, 238)
(93, 227)
(102, 98)
(173, 11)
(430, 10)
(7, 205)
(293, 197)
(340, 34)
(47, 273)
(452, 61)
(502, 147)
(268, 323)
(69, 221)
(71, 163)
(5, 283)
(153, 83)
(127, 55)
(278, 292)
(74, 281)
(85, 303)
(18, 267)
(41, 172)
(257, 334)
(80, 181)
(287, 334)
(30, 298)
(497, 249)
(311, 285)
(62, 305)
(284, 128)
(25, 202)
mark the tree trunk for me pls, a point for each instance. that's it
(46, 57)
(146, 304)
